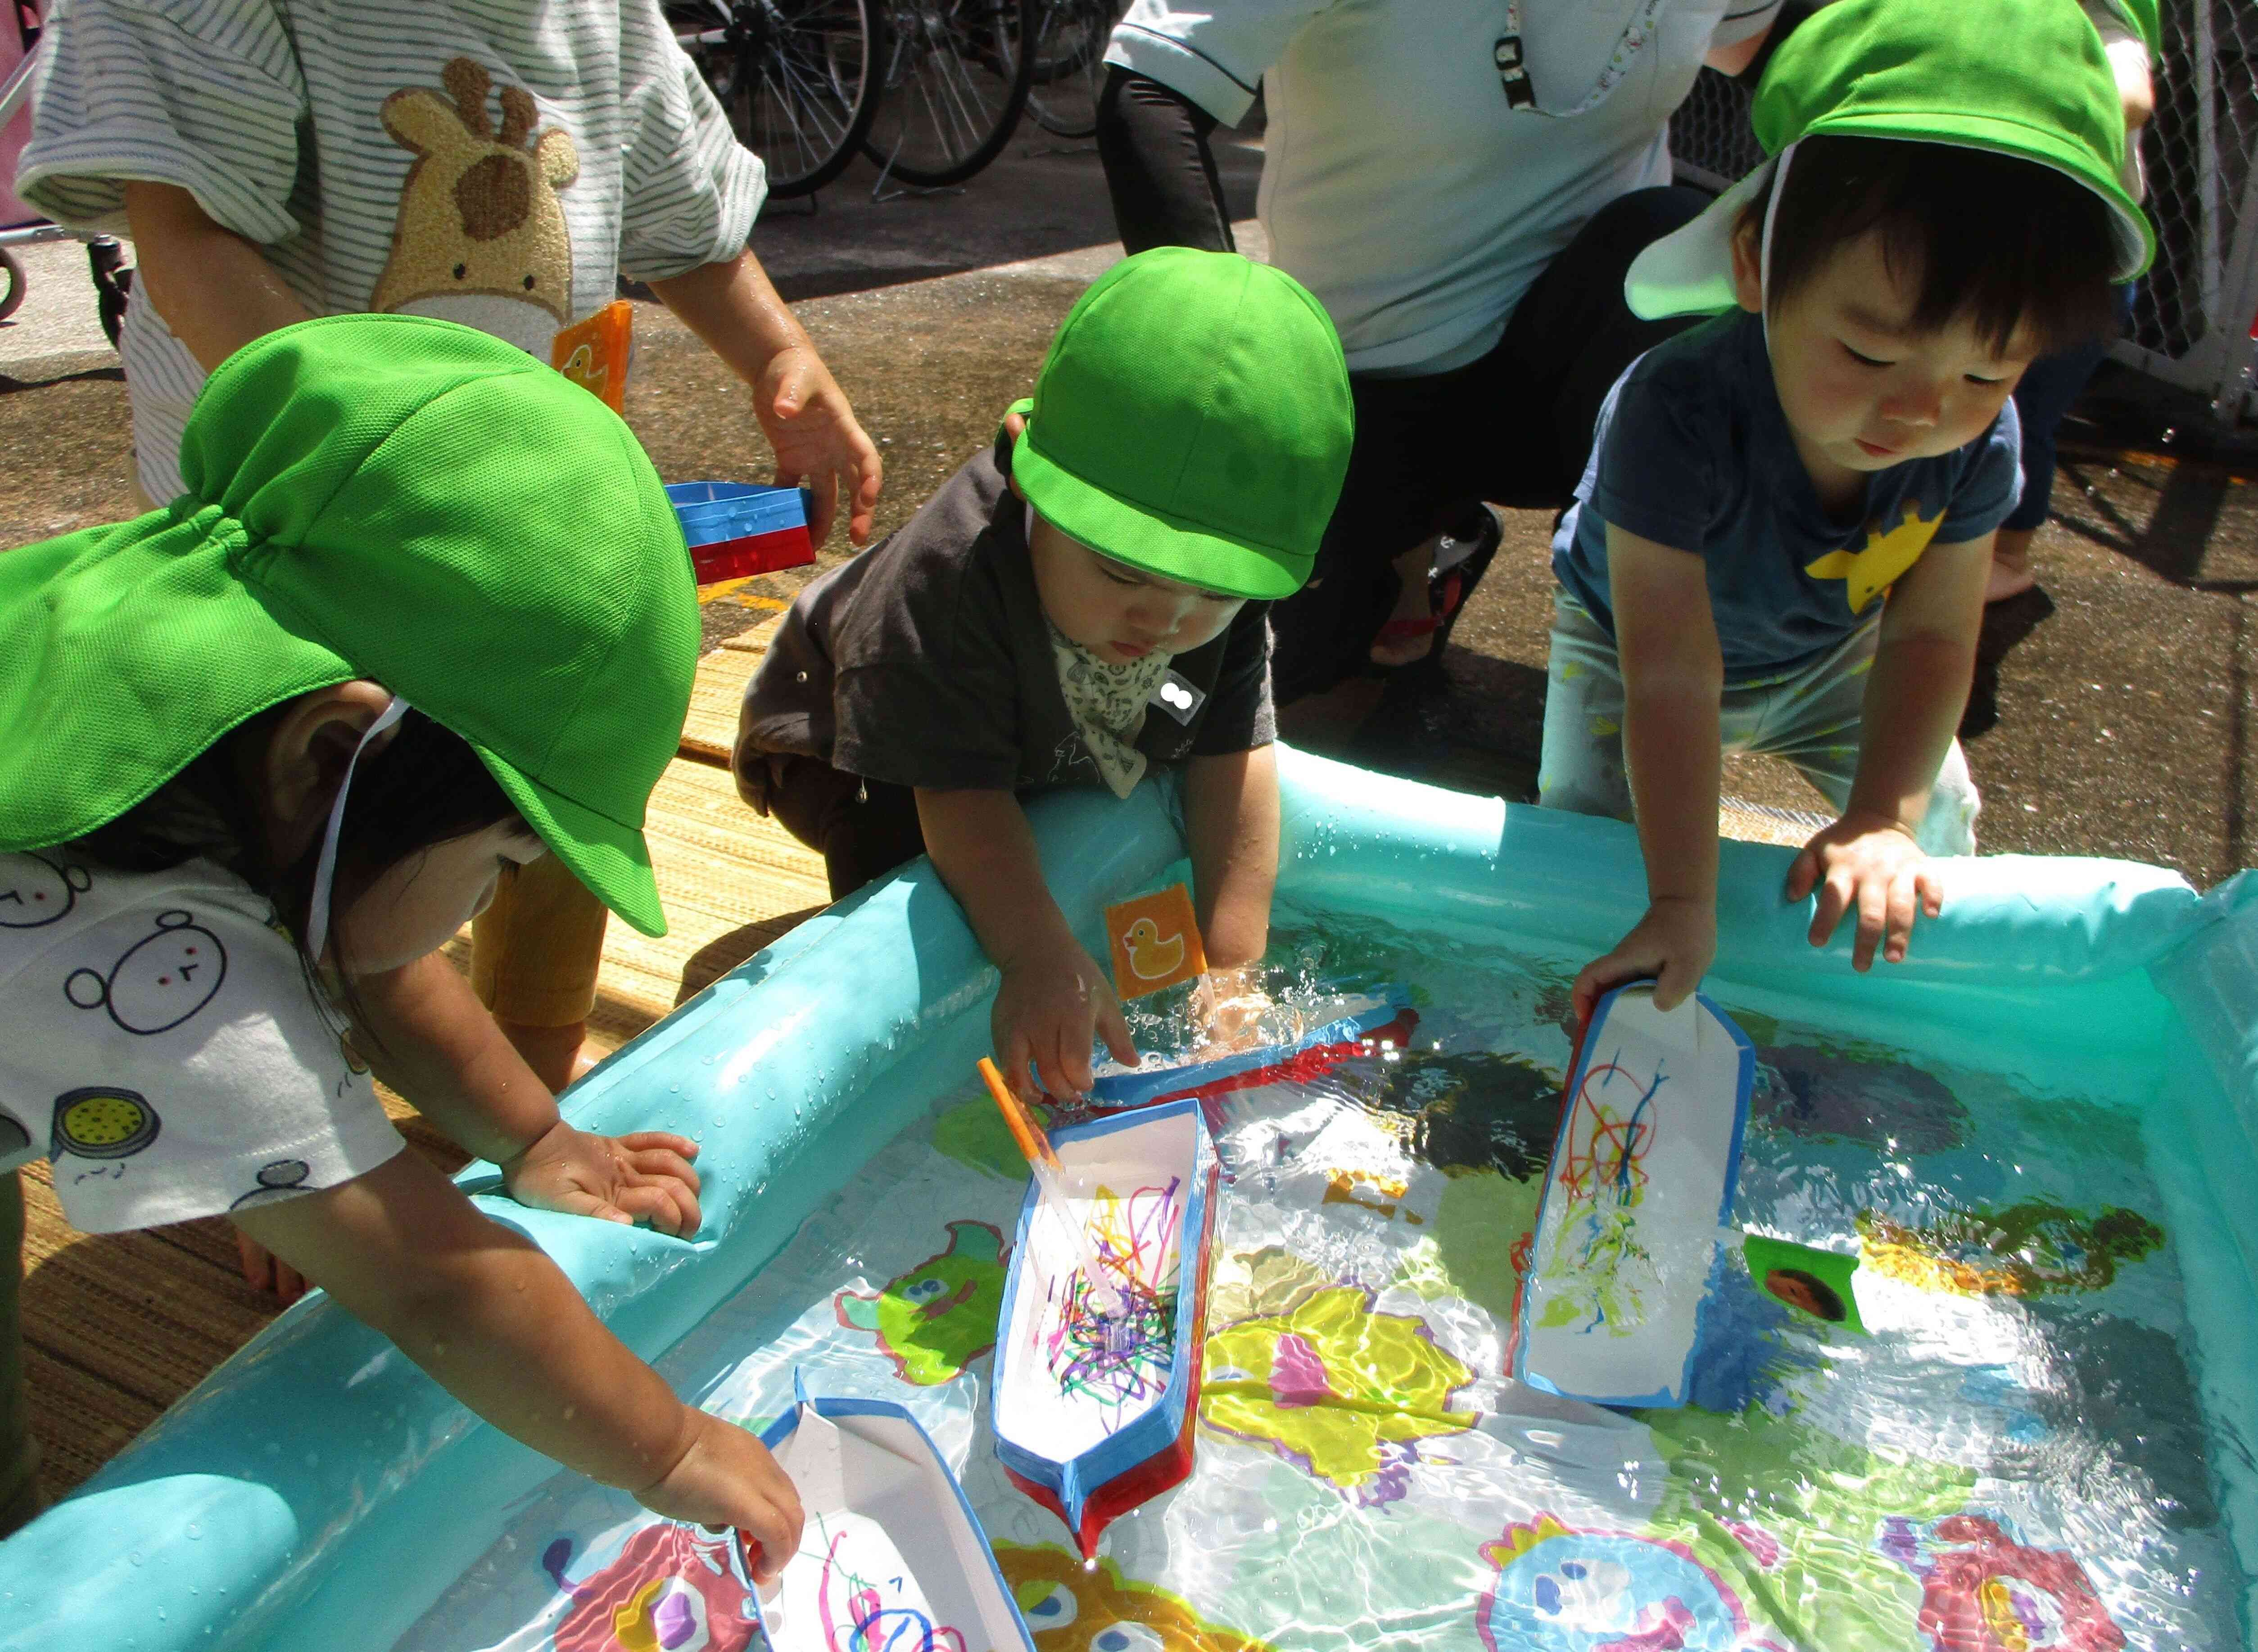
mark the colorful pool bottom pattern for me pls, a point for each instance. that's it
(1366, 1474)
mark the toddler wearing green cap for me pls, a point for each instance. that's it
(1078, 606)
(422, 613)
(1784, 537)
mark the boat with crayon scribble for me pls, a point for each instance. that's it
(1093, 1412)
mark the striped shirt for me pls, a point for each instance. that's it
(494, 162)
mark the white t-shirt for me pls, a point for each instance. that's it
(494, 162)
(160, 1044)
(1398, 185)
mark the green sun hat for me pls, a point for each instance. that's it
(2023, 78)
(1192, 420)
(385, 497)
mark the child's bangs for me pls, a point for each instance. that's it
(2019, 251)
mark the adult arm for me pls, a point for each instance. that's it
(1054, 999)
(214, 288)
(734, 307)
(498, 1325)
(1868, 862)
(1674, 682)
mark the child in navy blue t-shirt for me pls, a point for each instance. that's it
(1782, 542)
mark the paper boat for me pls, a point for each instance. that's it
(737, 529)
(892, 1555)
(1639, 1188)
(1094, 1416)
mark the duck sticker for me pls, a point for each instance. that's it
(284, 1179)
(939, 1317)
(669, 1590)
(160, 981)
(1156, 942)
(35, 891)
(480, 237)
(1561, 1590)
(101, 1121)
(1070, 1609)
(1337, 1390)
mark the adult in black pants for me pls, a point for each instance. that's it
(1483, 329)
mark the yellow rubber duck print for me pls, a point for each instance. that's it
(1881, 561)
(1150, 957)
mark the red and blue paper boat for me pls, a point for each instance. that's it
(1094, 1414)
(737, 529)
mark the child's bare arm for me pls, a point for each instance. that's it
(1055, 998)
(1673, 679)
(214, 288)
(735, 309)
(1868, 862)
(428, 1036)
(1230, 818)
(499, 1327)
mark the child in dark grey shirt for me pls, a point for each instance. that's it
(1074, 607)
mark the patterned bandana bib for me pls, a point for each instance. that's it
(1107, 703)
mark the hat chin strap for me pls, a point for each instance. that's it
(325, 869)
(1763, 250)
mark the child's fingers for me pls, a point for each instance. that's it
(668, 1208)
(1113, 1027)
(662, 1162)
(1675, 983)
(1872, 897)
(822, 504)
(1018, 1051)
(1833, 901)
(1904, 907)
(636, 1141)
(257, 1262)
(1803, 875)
(1932, 890)
(1051, 1065)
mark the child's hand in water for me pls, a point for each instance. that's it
(1674, 943)
(1869, 864)
(642, 1176)
(1053, 1003)
(727, 1478)
(1231, 1005)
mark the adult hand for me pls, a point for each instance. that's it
(726, 1478)
(1868, 863)
(1674, 943)
(1051, 1005)
(645, 1175)
(819, 443)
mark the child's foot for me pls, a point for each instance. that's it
(558, 1055)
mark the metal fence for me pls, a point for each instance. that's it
(2198, 309)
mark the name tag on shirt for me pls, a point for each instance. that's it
(1176, 695)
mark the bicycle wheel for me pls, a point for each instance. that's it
(956, 79)
(798, 78)
(1070, 63)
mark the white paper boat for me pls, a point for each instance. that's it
(1093, 1415)
(1640, 1185)
(891, 1557)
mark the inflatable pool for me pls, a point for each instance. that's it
(2041, 1135)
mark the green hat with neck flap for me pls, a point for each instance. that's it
(385, 497)
(2023, 78)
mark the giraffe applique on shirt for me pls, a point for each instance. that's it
(480, 237)
(1878, 564)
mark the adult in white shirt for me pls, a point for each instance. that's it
(1462, 183)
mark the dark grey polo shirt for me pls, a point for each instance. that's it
(926, 662)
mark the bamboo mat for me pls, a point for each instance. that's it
(118, 1326)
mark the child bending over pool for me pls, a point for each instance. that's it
(1082, 604)
(1783, 539)
(422, 613)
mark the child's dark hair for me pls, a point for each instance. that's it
(2005, 243)
(424, 786)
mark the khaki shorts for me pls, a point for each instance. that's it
(534, 952)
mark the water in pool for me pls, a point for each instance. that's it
(2011, 1460)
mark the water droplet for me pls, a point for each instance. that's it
(134, 1558)
(195, 1531)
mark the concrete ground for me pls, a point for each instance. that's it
(2114, 712)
